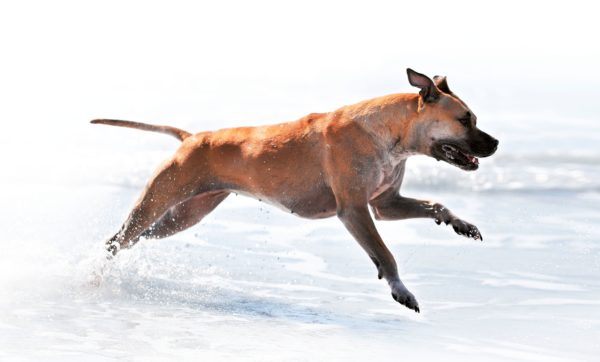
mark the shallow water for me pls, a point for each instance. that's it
(254, 283)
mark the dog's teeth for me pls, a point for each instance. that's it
(472, 159)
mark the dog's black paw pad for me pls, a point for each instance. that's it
(466, 229)
(112, 249)
(407, 300)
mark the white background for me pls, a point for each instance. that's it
(251, 282)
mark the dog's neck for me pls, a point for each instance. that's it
(388, 120)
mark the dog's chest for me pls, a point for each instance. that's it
(390, 175)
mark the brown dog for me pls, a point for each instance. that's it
(324, 164)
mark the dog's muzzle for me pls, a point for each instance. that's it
(464, 153)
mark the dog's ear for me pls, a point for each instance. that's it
(442, 84)
(429, 92)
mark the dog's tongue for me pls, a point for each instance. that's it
(472, 159)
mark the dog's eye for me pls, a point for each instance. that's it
(465, 120)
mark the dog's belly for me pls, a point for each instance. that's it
(313, 203)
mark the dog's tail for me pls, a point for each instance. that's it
(175, 132)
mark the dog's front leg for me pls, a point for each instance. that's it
(396, 207)
(359, 223)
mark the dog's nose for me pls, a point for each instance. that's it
(495, 143)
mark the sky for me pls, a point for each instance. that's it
(80, 49)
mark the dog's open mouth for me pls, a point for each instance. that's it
(456, 156)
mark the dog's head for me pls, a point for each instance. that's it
(446, 129)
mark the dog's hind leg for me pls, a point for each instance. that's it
(185, 214)
(169, 186)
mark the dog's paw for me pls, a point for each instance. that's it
(441, 214)
(112, 248)
(406, 298)
(464, 228)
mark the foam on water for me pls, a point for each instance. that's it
(250, 271)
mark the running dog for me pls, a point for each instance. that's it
(324, 164)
